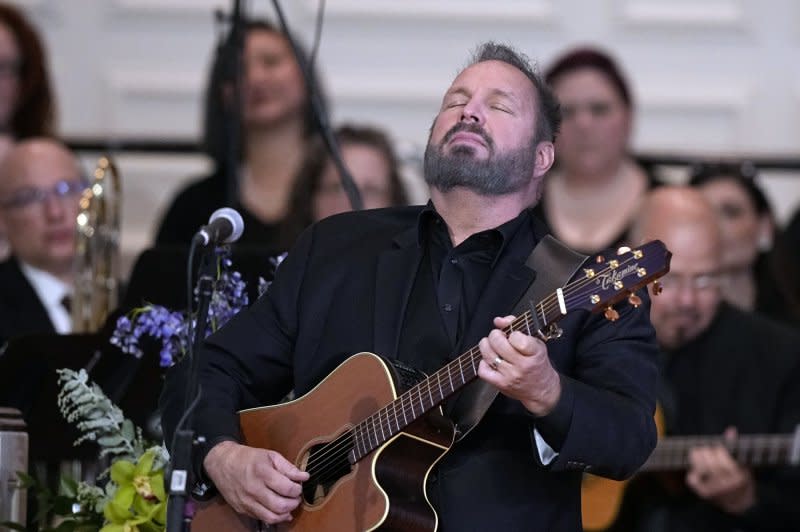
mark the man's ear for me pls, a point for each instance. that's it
(545, 157)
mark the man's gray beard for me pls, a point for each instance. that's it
(496, 176)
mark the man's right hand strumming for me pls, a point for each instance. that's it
(256, 482)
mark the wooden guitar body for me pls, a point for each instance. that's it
(385, 490)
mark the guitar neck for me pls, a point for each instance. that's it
(752, 450)
(432, 391)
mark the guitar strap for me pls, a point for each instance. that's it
(554, 264)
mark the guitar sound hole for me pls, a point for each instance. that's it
(326, 464)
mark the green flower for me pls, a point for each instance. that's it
(139, 503)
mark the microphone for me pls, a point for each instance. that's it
(225, 226)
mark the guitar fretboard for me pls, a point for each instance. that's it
(755, 450)
(430, 392)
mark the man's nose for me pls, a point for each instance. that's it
(54, 207)
(472, 112)
(687, 294)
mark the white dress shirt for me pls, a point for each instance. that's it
(51, 291)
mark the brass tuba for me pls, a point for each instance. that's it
(96, 270)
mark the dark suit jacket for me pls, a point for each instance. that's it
(21, 312)
(344, 289)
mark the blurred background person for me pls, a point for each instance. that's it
(368, 154)
(27, 105)
(40, 187)
(724, 370)
(757, 266)
(592, 195)
(276, 125)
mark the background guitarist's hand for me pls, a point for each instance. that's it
(715, 475)
(519, 366)
(256, 482)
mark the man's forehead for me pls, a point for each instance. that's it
(27, 165)
(496, 76)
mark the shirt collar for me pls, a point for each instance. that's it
(428, 216)
(50, 289)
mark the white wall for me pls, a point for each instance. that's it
(710, 76)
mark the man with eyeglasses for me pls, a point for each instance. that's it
(40, 187)
(724, 372)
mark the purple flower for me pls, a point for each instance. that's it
(170, 328)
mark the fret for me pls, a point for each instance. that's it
(450, 376)
(380, 425)
(395, 417)
(403, 408)
(540, 306)
(370, 432)
(359, 440)
(374, 428)
(527, 324)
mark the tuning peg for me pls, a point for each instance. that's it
(657, 288)
(611, 314)
(634, 300)
(622, 250)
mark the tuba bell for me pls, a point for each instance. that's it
(96, 269)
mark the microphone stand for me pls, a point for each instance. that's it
(321, 116)
(179, 516)
(231, 76)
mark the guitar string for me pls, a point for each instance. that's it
(336, 449)
(339, 449)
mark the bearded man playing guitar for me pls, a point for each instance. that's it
(419, 285)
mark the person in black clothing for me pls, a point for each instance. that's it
(40, 187)
(724, 371)
(421, 285)
(277, 124)
(761, 272)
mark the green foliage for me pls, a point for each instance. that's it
(133, 497)
(97, 417)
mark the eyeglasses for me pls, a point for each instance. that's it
(699, 282)
(28, 196)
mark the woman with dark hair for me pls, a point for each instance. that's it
(276, 126)
(592, 195)
(757, 266)
(368, 155)
(27, 108)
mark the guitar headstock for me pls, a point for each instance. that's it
(603, 280)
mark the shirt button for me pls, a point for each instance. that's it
(454, 261)
(447, 307)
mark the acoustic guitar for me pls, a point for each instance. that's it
(601, 497)
(369, 435)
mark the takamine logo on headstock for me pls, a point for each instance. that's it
(600, 283)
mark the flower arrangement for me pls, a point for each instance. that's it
(133, 497)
